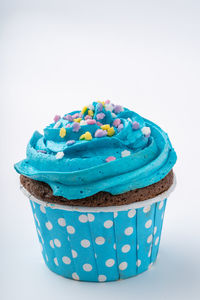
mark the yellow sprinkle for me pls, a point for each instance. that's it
(62, 132)
(105, 127)
(88, 136)
(82, 137)
(84, 110)
(77, 120)
(90, 113)
(102, 102)
(111, 131)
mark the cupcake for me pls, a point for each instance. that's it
(98, 182)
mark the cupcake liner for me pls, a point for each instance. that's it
(99, 244)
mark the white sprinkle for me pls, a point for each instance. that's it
(57, 124)
(59, 155)
(113, 115)
(83, 123)
(91, 107)
(130, 120)
(109, 107)
(146, 131)
(125, 153)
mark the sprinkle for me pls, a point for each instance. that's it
(105, 127)
(111, 131)
(129, 119)
(70, 142)
(110, 158)
(109, 107)
(107, 101)
(146, 131)
(84, 110)
(90, 113)
(135, 125)
(88, 117)
(100, 116)
(116, 122)
(100, 133)
(63, 132)
(68, 126)
(113, 115)
(42, 151)
(88, 136)
(120, 127)
(76, 127)
(57, 124)
(125, 153)
(82, 137)
(99, 124)
(118, 109)
(76, 115)
(91, 122)
(57, 118)
(59, 155)
(91, 107)
(77, 120)
(68, 117)
(99, 107)
(83, 122)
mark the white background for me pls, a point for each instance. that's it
(58, 56)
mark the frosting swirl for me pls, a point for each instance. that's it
(104, 147)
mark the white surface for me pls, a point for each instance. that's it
(56, 56)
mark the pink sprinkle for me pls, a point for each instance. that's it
(116, 122)
(76, 115)
(88, 117)
(57, 118)
(120, 127)
(42, 151)
(91, 122)
(100, 133)
(107, 101)
(100, 116)
(68, 117)
(135, 125)
(68, 125)
(110, 158)
(118, 109)
(76, 126)
(99, 124)
(70, 142)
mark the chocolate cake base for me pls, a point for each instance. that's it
(43, 191)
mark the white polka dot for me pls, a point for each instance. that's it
(114, 246)
(150, 266)
(85, 243)
(138, 263)
(126, 248)
(47, 259)
(62, 222)
(51, 244)
(162, 216)
(74, 253)
(161, 205)
(149, 254)
(100, 240)
(146, 209)
(41, 247)
(128, 230)
(33, 204)
(43, 209)
(75, 276)
(37, 219)
(156, 241)
(108, 224)
(131, 213)
(115, 214)
(66, 260)
(55, 261)
(148, 224)
(123, 265)
(83, 218)
(57, 243)
(149, 239)
(90, 217)
(49, 225)
(155, 230)
(87, 267)
(70, 229)
(102, 278)
(39, 233)
(110, 262)
(138, 247)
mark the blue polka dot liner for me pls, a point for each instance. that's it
(99, 244)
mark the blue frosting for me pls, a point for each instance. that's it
(83, 170)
